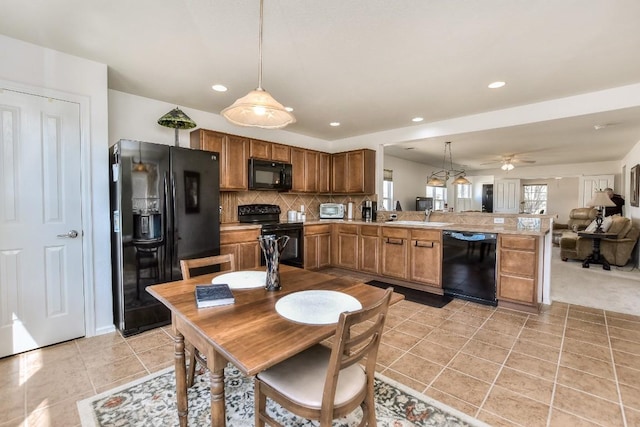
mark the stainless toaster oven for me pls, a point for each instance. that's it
(331, 211)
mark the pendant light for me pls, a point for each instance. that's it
(258, 108)
(440, 178)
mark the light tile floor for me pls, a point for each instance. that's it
(567, 366)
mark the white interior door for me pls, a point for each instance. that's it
(41, 280)
(591, 183)
(506, 196)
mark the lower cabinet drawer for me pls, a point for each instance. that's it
(516, 289)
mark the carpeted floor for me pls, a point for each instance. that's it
(151, 401)
(615, 290)
(415, 295)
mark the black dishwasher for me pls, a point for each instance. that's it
(469, 266)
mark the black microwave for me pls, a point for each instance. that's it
(268, 175)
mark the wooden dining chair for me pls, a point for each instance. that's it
(186, 265)
(324, 383)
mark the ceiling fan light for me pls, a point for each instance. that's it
(258, 109)
(507, 167)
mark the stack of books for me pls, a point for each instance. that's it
(213, 295)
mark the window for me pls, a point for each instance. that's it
(534, 199)
(387, 190)
(439, 195)
(463, 197)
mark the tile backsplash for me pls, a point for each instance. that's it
(287, 201)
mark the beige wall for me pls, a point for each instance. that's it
(409, 180)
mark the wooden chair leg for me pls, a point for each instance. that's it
(371, 410)
(260, 402)
(191, 373)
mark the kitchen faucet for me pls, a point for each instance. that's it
(427, 214)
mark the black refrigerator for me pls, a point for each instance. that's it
(164, 207)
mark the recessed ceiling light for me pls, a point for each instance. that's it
(289, 109)
(417, 119)
(219, 88)
(334, 124)
(496, 85)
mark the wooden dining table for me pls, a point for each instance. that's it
(249, 333)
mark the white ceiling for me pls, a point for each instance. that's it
(370, 64)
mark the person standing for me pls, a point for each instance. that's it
(615, 198)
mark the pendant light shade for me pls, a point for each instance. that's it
(258, 108)
(436, 182)
(461, 180)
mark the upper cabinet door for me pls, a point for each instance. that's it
(234, 155)
(236, 161)
(353, 172)
(280, 153)
(339, 172)
(259, 149)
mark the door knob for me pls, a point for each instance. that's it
(71, 234)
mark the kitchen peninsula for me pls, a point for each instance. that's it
(409, 251)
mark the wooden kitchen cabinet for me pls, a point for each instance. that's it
(426, 257)
(353, 172)
(317, 246)
(394, 255)
(244, 246)
(518, 270)
(280, 153)
(324, 173)
(305, 170)
(344, 246)
(266, 150)
(234, 155)
(369, 248)
(259, 149)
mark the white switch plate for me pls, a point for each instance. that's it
(498, 220)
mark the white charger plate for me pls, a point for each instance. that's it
(243, 279)
(316, 307)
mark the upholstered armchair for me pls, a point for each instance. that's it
(579, 219)
(615, 251)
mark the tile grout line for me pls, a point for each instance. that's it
(555, 377)
(502, 365)
(615, 371)
(93, 386)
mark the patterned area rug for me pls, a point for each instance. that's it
(151, 401)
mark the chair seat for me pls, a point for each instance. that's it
(301, 378)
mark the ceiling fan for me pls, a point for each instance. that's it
(508, 161)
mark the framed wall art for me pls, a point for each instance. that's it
(634, 184)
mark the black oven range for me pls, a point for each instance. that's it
(269, 217)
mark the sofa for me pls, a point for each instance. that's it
(615, 251)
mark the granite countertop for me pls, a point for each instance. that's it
(491, 228)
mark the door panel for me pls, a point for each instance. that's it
(507, 196)
(41, 281)
(589, 184)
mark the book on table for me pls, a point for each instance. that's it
(213, 295)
